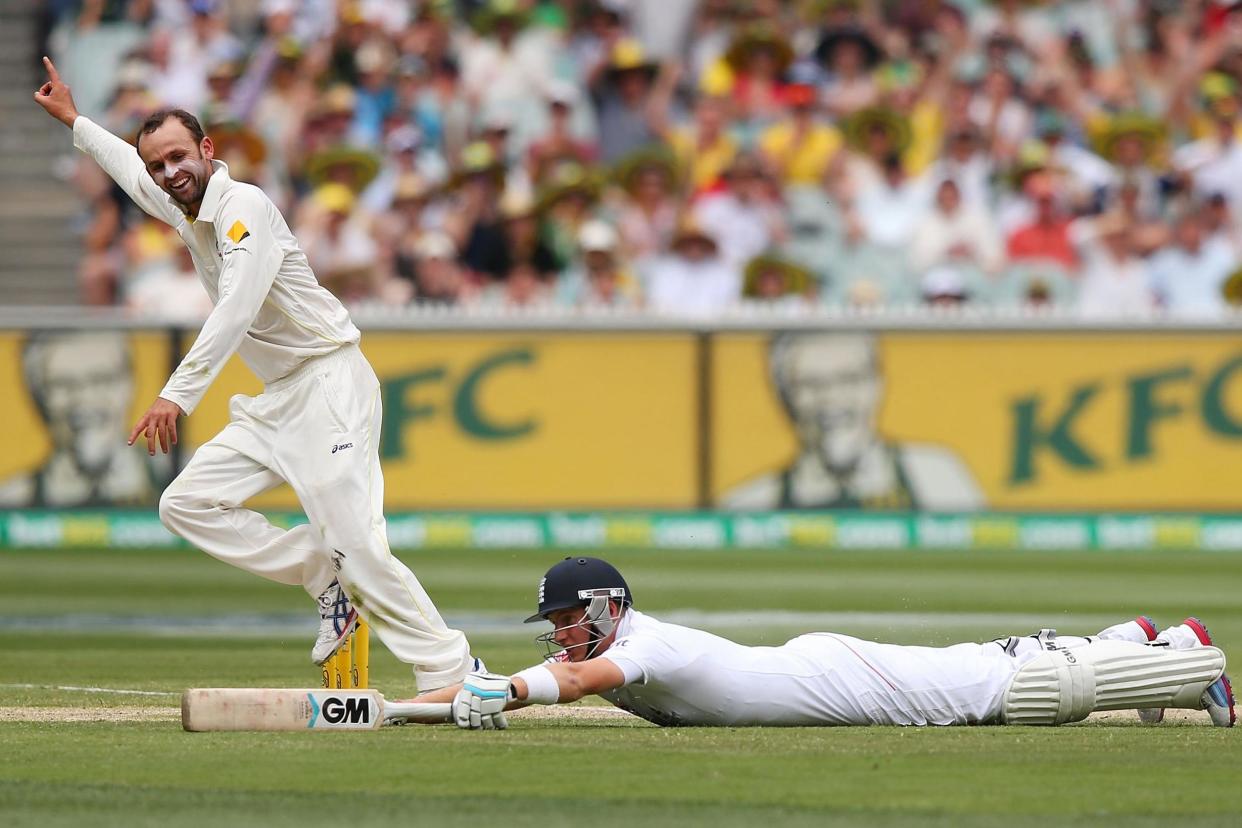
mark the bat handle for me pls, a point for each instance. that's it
(417, 712)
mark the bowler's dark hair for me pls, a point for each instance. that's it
(156, 120)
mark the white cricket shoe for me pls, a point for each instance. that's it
(1218, 698)
(337, 619)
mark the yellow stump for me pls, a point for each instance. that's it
(362, 656)
(350, 666)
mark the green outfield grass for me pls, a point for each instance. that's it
(79, 626)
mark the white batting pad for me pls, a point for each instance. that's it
(1061, 685)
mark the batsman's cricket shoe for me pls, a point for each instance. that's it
(1149, 715)
(337, 619)
(1218, 698)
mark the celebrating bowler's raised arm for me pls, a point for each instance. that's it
(55, 96)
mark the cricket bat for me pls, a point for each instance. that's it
(206, 709)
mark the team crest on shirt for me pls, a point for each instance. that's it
(238, 232)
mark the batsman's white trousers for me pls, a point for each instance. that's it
(318, 429)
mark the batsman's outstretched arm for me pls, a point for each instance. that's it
(483, 699)
(118, 159)
(573, 681)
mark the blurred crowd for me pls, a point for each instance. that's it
(687, 155)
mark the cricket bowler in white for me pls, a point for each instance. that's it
(677, 676)
(316, 424)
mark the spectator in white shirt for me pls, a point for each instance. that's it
(889, 212)
(1214, 163)
(746, 217)
(953, 232)
(694, 279)
(1218, 223)
(1188, 276)
(171, 292)
(1113, 278)
(966, 161)
(508, 66)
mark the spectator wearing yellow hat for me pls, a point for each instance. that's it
(756, 62)
(1135, 144)
(631, 97)
(329, 123)
(774, 281)
(567, 199)
(339, 245)
(646, 203)
(873, 136)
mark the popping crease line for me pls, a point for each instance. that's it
(76, 689)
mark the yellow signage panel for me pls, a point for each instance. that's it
(1144, 421)
(70, 400)
(481, 421)
(500, 421)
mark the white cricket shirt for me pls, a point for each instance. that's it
(269, 307)
(677, 675)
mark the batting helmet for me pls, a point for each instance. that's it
(574, 582)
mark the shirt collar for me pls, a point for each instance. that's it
(216, 185)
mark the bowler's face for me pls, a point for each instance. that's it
(177, 163)
(833, 392)
(87, 393)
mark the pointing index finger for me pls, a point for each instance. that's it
(51, 69)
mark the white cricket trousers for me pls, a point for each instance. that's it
(318, 429)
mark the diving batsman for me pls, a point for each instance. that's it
(677, 676)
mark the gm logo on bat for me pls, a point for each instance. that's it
(341, 711)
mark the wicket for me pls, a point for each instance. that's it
(350, 666)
